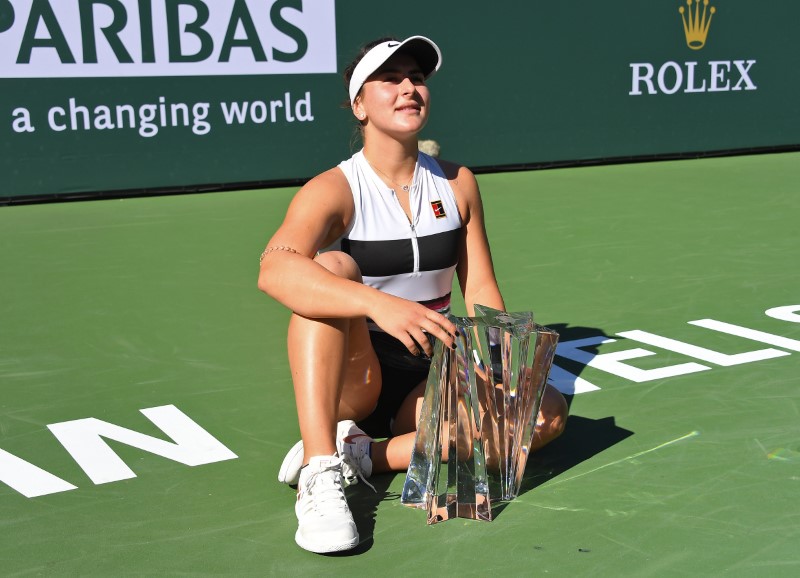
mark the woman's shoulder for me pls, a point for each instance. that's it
(331, 180)
(326, 199)
(328, 191)
(460, 177)
(463, 184)
(450, 170)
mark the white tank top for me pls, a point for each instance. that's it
(413, 259)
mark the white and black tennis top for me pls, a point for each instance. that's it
(413, 259)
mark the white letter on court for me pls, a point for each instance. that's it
(785, 313)
(612, 362)
(568, 383)
(701, 352)
(193, 445)
(761, 336)
(29, 480)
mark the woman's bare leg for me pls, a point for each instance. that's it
(552, 418)
(394, 454)
(334, 369)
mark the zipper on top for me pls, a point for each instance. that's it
(414, 240)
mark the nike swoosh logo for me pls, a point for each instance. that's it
(351, 439)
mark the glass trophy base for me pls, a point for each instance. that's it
(479, 415)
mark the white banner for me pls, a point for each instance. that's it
(125, 38)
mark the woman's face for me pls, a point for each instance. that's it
(395, 99)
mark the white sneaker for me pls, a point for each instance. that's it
(290, 468)
(351, 443)
(354, 447)
(325, 523)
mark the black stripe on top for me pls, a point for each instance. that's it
(439, 251)
(395, 257)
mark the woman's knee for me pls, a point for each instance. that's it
(340, 264)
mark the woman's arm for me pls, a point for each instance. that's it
(317, 216)
(475, 268)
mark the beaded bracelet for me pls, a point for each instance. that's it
(269, 250)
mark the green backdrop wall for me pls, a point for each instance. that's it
(521, 84)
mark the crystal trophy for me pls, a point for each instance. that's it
(479, 415)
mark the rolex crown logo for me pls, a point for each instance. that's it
(696, 25)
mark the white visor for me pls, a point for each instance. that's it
(422, 49)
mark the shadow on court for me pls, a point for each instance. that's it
(576, 333)
(364, 503)
(583, 438)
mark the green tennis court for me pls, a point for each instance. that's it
(674, 286)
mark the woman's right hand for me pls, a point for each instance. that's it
(411, 323)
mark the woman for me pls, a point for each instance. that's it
(365, 259)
